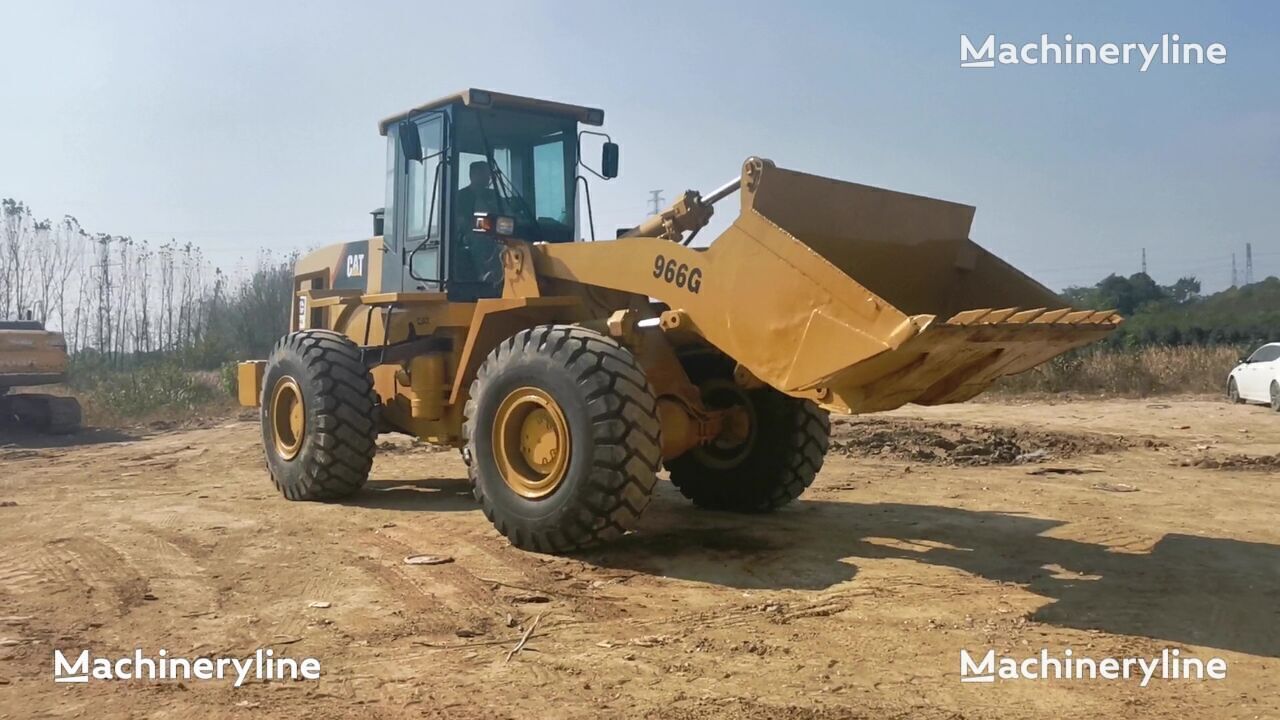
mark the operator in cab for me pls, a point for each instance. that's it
(478, 196)
(478, 264)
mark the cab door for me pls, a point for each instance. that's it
(416, 193)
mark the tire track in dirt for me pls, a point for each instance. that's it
(319, 587)
(23, 568)
(104, 575)
(175, 572)
(441, 598)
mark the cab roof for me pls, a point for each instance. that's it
(473, 97)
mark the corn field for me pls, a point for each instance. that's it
(1132, 372)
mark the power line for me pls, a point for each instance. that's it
(655, 197)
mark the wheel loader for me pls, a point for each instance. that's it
(31, 355)
(569, 372)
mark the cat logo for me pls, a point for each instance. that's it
(355, 265)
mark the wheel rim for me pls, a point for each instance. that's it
(531, 442)
(738, 436)
(288, 417)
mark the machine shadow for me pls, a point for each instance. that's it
(18, 438)
(1214, 592)
(434, 494)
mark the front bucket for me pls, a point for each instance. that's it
(949, 317)
(912, 251)
(860, 298)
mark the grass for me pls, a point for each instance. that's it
(160, 391)
(1140, 372)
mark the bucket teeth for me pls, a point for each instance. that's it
(968, 317)
(956, 360)
(1038, 316)
(998, 316)
(1052, 316)
(1025, 316)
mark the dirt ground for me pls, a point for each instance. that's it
(1109, 527)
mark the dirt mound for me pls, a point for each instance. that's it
(1235, 462)
(941, 443)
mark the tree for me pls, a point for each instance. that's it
(1185, 290)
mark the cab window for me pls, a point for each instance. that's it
(422, 176)
(549, 182)
(422, 203)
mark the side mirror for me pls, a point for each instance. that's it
(410, 143)
(1244, 361)
(609, 160)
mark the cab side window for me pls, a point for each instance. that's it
(423, 177)
(550, 184)
(423, 201)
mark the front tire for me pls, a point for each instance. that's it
(774, 448)
(1275, 396)
(1233, 393)
(319, 422)
(563, 438)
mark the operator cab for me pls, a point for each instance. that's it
(469, 170)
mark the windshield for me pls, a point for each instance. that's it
(518, 164)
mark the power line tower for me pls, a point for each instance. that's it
(1144, 261)
(1233, 270)
(1248, 263)
(655, 197)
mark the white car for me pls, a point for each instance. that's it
(1257, 378)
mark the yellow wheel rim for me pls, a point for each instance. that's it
(531, 442)
(288, 417)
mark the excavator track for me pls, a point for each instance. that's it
(53, 414)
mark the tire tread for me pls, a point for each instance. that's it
(344, 440)
(624, 427)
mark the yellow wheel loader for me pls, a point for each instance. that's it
(31, 355)
(568, 371)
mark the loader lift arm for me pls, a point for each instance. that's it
(688, 214)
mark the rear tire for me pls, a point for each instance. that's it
(319, 422)
(539, 391)
(1233, 393)
(781, 455)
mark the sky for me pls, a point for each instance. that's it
(240, 126)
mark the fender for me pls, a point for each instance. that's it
(496, 320)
